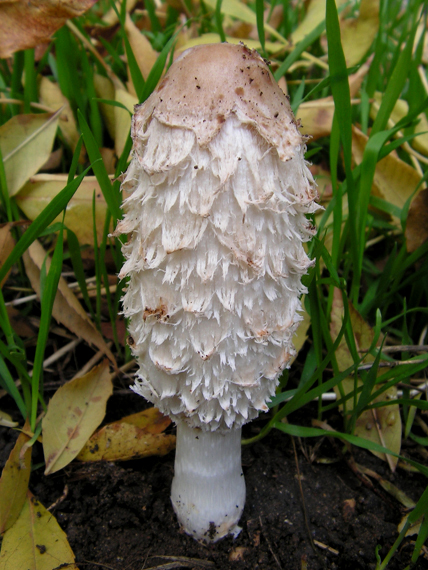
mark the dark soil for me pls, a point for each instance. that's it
(119, 516)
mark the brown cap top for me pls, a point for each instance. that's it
(209, 82)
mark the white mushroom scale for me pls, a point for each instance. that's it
(218, 193)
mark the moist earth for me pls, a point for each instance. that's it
(119, 516)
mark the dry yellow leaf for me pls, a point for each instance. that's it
(42, 188)
(359, 33)
(14, 483)
(74, 412)
(315, 14)
(394, 181)
(26, 24)
(51, 96)
(212, 38)
(380, 425)
(36, 541)
(150, 420)
(67, 310)
(401, 109)
(26, 143)
(122, 119)
(145, 55)
(104, 89)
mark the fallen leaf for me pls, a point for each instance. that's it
(145, 55)
(7, 244)
(51, 96)
(400, 110)
(26, 143)
(380, 425)
(212, 38)
(359, 33)
(66, 309)
(104, 88)
(394, 181)
(26, 24)
(14, 483)
(416, 226)
(6, 421)
(36, 541)
(242, 12)
(150, 420)
(42, 188)
(413, 529)
(74, 412)
(111, 17)
(123, 442)
(122, 119)
(315, 14)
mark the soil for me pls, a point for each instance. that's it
(119, 516)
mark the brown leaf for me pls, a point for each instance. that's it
(14, 482)
(6, 246)
(66, 310)
(417, 226)
(25, 24)
(74, 412)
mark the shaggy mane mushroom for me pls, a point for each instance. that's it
(216, 217)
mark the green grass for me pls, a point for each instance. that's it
(361, 249)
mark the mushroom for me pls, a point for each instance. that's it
(218, 192)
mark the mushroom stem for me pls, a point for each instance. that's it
(208, 489)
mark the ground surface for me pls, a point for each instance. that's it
(119, 516)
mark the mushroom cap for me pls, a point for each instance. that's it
(209, 82)
(216, 216)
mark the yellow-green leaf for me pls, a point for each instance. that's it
(26, 143)
(14, 483)
(36, 541)
(122, 119)
(314, 16)
(122, 442)
(104, 89)
(212, 38)
(359, 33)
(150, 420)
(67, 308)
(42, 188)
(74, 412)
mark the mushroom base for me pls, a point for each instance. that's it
(208, 489)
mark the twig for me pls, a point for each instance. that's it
(59, 500)
(269, 544)
(59, 353)
(406, 348)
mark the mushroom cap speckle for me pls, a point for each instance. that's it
(209, 82)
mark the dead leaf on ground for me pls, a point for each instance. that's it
(26, 142)
(359, 33)
(380, 425)
(417, 227)
(315, 14)
(401, 109)
(36, 541)
(42, 188)
(145, 55)
(26, 24)
(133, 437)
(7, 244)
(74, 412)
(122, 119)
(394, 180)
(14, 483)
(52, 96)
(66, 309)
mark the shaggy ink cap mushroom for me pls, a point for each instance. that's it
(216, 216)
